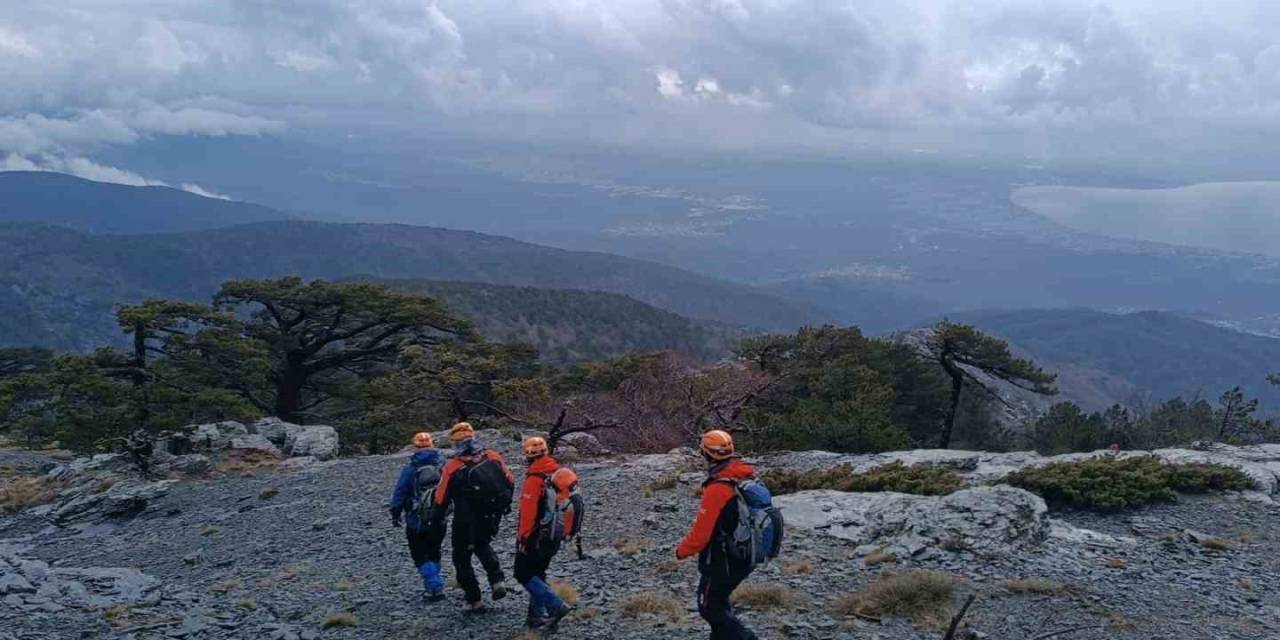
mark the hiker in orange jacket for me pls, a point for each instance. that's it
(478, 507)
(533, 551)
(720, 574)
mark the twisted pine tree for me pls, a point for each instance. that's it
(961, 349)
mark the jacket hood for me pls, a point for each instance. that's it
(733, 470)
(426, 456)
(544, 465)
(470, 446)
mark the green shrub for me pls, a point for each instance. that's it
(1109, 484)
(921, 480)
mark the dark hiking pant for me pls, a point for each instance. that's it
(714, 607)
(474, 536)
(424, 548)
(531, 572)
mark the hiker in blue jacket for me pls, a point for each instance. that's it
(410, 501)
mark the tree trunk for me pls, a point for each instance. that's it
(139, 376)
(289, 389)
(957, 385)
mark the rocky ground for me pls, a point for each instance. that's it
(263, 550)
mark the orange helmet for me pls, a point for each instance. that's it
(535, 447)
(462, 431)
(717, 445)
(422, 440)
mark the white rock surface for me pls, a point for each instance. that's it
(217, 435)
(982, 519)
(256, 442)
(275, 430)
(317, 441)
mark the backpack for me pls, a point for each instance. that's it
(484, 486)
(758, 537)
(425, 481)
(562, 508)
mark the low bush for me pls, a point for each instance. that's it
(1110, 484)
(924, 480)
(565, 591)
(924, 597)
(339, 619)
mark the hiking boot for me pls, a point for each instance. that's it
(557, 615)
(473, 607)
(429, 596)
(535, 622)
(499, 590)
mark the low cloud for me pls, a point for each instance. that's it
(966, 76)
(82, 167)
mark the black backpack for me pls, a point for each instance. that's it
(483, 485)
(561, 508)
(425, 481)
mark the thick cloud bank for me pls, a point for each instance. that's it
(965, 76)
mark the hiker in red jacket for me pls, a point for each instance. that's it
(534, 546)
(720, 573)
(477, 482)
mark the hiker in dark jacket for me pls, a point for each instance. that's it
(717, 517)
(426, 537)
(474, 525)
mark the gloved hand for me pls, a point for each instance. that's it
(396, 520)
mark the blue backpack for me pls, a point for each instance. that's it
(758, 537)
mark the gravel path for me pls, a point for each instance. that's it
(276, 554)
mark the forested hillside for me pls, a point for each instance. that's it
(58, 286)
(568, 326)
(1165, 354)
(100, 207)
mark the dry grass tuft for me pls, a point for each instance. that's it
(651, 603)
(565, 592)
(1244, 584)
(632, 547)
(117, 615)
(343, 584)
(665, 482)
(1215, 544)
(104, 485)
(1116, 563)
(247, 603)
(226, 586)
(800, 567)
(20, 492)
(527, 634)
(587, 614)
(924, 597)
(340, 619)
(268, 492)
(879, 556)
(765, 596)
(246, 462)
(209, 530)
(667, 567)
(1039, 586)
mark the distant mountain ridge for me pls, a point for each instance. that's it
(58, 286)
(100, 207)
(1159, 353)
(569, 326)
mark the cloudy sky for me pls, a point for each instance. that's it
(1034, 79)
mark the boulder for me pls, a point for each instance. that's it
(256, 442)
(275, 430)
(586, 444)
(125, 497)
(189, 465)
(318, 441)
(986, 519)
(216, 436)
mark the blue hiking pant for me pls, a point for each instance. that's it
(424, 547)
(531, 572)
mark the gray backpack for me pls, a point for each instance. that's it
(425, 482)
